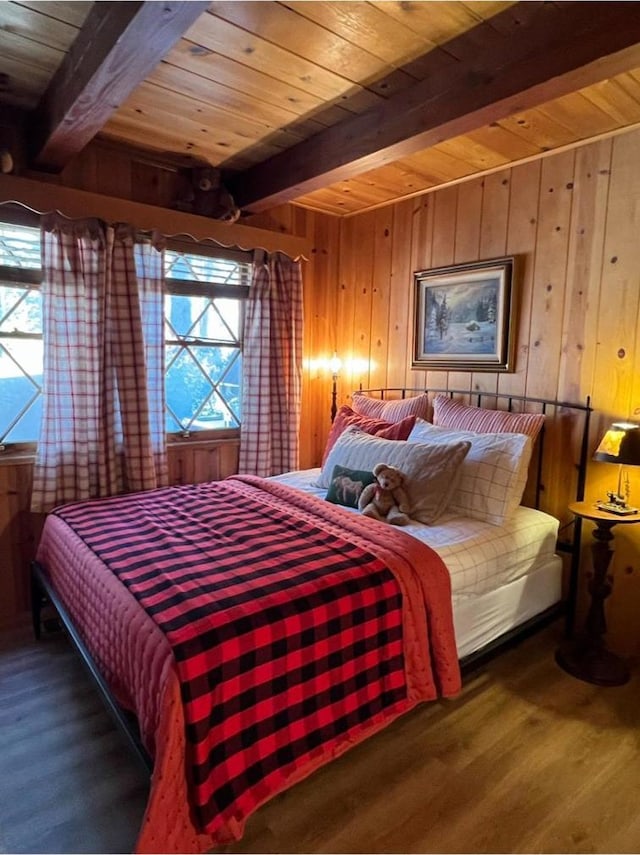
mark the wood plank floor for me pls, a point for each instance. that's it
(526, 760)
(67, 782)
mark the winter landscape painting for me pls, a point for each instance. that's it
(463, 317)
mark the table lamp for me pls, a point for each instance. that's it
(621, 445)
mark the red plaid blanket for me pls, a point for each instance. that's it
(297, 629)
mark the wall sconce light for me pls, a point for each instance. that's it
(621, 445)
(335, 364)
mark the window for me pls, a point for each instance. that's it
(21, 350)
(203, 338)
(204, 300)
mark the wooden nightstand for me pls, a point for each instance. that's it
(587, 656)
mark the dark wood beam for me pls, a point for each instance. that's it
(117, 47)
(12, 136)
(542, 56)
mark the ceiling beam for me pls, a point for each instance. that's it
(116, 48)
(561, 48)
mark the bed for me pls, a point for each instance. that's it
(491, 567)
(366, 620)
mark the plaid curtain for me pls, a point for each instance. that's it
(272, 367)
(102, 429)
(136, 322)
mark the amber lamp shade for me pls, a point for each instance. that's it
(620, 444)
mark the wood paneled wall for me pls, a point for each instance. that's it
(18, 531)
(573, 222)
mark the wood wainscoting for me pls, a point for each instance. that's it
(194, 461)
(19, 530)
(190, 462)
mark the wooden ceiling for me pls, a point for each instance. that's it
(337, 106)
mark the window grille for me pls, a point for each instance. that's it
(204, 304)
(21, 350)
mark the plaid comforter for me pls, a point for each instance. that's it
(297, 629)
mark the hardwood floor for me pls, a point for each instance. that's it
(526, 760)
(67, 782)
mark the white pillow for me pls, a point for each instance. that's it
(493, 474)
(430, 470)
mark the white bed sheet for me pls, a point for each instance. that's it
(480, 557)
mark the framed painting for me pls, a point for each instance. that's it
(463, 317)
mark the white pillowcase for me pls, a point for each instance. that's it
(431, 470)
(493, 474)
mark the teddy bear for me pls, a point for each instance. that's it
(387, 499)
(207, 196)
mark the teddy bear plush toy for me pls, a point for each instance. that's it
(387, 499)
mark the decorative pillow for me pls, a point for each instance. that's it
(391, 411)
(493, 475)
(455, 414)
(346, 485)
(345, 417)
(430, 470)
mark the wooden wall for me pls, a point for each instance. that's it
(573, 221)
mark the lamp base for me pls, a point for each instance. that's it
(613, 508)
(592, 664)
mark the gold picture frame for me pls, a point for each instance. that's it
(464, 317)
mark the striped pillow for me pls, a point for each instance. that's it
(391, 411)
(459, 416)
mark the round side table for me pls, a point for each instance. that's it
(587, 657)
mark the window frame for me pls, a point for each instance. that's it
(32, 277)
(195, 288)
(15, 215)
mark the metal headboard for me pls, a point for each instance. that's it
(518, 403)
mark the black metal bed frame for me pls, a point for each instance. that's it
(504, 400)
(42, 591)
